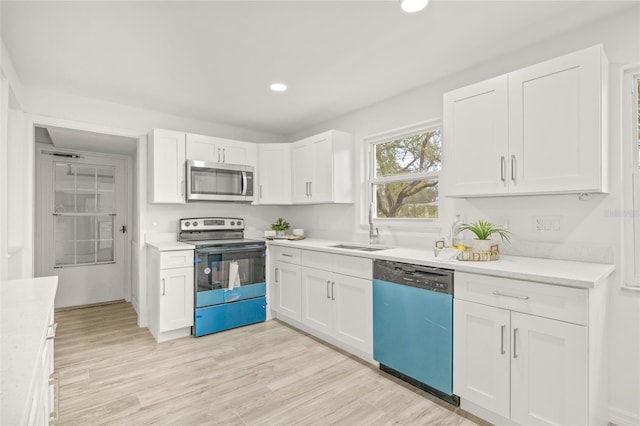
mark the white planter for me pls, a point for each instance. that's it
(482, 246)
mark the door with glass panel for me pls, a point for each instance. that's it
(82, 226)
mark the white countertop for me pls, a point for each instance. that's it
(26, 306)
(170, 245)
(548, 271)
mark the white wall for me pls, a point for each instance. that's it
(591, 230)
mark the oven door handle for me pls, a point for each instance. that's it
(237, 249)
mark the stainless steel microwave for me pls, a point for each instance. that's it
(219, 182)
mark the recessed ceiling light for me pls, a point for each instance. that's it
(278, 87)
(412, 6)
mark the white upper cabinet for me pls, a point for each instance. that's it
(322, 168)
(219, 150)
(274, 173)
(538, 130)
(166, 167)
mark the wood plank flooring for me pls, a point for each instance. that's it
(113, 373)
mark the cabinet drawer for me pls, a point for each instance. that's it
(339, 263)
(545, 300)
(176, 259)
(285, 254)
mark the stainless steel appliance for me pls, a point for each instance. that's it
(208, 181)
(413, 325)
(230, 284)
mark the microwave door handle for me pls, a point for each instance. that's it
(244, 183)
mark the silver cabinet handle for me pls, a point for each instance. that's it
(307, 188)
(503, 166)
(164, 286)
(515, 336)
(53, 327)
(328, 282)
(513, 168)
(218, 155)
(502, 351)
(333, 284)
(224, 155)
(261, 191)
(182, 187)
(276, 275)
(286, 255)
(310, 193)
(54, 381)
(513, 296)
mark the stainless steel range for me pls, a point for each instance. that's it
(230, 284)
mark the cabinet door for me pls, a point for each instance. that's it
(321, 183)
(289, 302)
(481, 355)
(476, 138)
(176, 298)
(316, 299)
(548, 371)
(302, 169)
(166, 167)
(555, 120)
(274, 173)
(237, 152)
(202, 148)
(353, 311)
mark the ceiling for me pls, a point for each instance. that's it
(214, 60)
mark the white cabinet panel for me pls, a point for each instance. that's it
(548, 371)
(176, 298)
(302, 169)
(288, 292)
(220, 150)
(166, 167)
(353, 311)
(316, 300)
(481, 350)
(274, 173)
(477, 137)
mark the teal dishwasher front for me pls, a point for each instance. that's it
(413, 325)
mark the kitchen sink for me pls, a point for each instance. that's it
(360, 248)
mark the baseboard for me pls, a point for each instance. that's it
(621, 417)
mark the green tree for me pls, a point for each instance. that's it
(406, 156)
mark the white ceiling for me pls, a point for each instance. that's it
(214, 60)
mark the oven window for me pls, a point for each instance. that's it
(229, 182)
(212, 269)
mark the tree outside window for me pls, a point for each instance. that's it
(405, 175)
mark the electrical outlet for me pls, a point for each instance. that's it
(546, 223)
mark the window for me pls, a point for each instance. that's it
(84, 213)
(404, 168)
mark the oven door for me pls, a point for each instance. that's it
(219, 182)
(213, 267)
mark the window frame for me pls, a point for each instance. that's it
(372, 180)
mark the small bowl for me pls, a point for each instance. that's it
(298, 232)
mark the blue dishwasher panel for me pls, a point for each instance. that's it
(413, 333)
(229, 315)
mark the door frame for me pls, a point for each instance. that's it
(136, 201)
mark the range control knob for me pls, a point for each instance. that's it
(187, 224)
(232, 223)
(239, 222)
(195, 223)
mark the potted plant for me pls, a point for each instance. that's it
(280, 226)
(483, 231)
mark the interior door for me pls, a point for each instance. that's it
(82, 225)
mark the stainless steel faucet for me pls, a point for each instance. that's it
(374, 232)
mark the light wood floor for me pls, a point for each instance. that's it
(112, 372)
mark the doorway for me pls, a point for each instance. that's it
(83, 211)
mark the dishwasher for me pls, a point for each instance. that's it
(413, 325)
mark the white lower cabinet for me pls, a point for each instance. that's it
(171, 293)
(519, 365)
(339, 306)
(327, 295)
